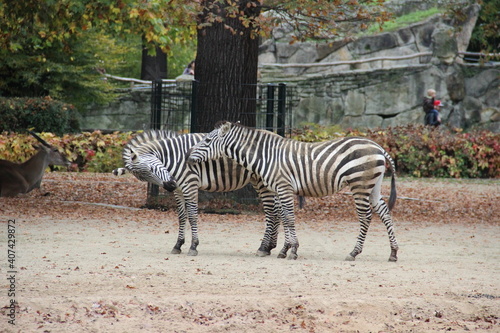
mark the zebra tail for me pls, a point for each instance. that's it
(393, 195)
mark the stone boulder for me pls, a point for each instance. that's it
(373, 44)
(445, 46)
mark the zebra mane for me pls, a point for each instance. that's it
(238, 124)
(222, 122)
(152, 135)
(142, 140)
(233, 123)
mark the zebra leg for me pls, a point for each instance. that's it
(383, 211)
(270, 237)
(193, 220)
(364, 211)
(191, 197)
(181, 214)
(288, 217)
(272, 221)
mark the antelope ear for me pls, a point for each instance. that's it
(224, 128)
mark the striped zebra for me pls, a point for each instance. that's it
(290, 167)
(159, 157)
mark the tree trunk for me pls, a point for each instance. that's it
(226, 71)
(153, 67)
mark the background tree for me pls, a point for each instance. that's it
(485, 36)
(226, 64)
(227, 53)
(153, 66)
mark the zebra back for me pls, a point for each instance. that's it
(310, 169)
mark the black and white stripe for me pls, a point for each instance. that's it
(159, 157)
(289, 167)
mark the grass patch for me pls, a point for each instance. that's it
(403, 21)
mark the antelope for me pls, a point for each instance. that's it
(24, 177)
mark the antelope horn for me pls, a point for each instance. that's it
(39, 139)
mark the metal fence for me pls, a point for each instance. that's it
(173, 108)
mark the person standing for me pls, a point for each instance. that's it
(189, 70)
(428, 102)
(432, 117)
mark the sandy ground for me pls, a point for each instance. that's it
(83, 267)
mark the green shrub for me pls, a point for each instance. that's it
(40, 114)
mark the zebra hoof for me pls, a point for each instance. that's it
(263, 253)
(350, 258)
(393, 259)
(192, 253)
(292, 257)
(282, 255)
(176, 251)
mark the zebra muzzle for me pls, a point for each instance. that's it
(170, 185)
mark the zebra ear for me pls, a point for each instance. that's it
(133, 155)
(224, 128)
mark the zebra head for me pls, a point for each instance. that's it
(149, 168)
(211, 146)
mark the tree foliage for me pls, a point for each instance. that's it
(486, 36)
(61, 48)
(309, 19)
(74, 77)
(33, 25)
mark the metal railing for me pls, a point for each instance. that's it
(476, 55)
(173, 106)
(346, 62)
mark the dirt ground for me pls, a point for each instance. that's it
(82, 266)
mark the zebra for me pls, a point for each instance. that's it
(290, 167)
(159, 157)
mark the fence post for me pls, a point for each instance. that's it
(281, 109)
(194, 108)
(156, 105)
(270, 107)
(154, 190)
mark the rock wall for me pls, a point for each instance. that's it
(130, 111)
(365, 93)
(393, 96)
